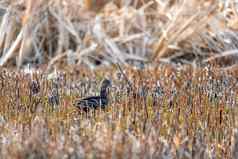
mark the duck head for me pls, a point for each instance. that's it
(104, 87)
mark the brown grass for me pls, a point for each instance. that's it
(158, 111)
(194, 117)
(102, 31)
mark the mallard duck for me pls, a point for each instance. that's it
(95, 102)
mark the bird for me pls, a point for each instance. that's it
(95, 102)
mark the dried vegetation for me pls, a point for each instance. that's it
(157, 111)
(189, 113)
(129, 32)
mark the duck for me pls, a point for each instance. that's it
(95, 102)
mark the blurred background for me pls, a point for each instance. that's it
(138, 33)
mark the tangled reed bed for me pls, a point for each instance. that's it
(165, 112)
(51, 32)
(176, 113)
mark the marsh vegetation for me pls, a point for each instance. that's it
(172, 64)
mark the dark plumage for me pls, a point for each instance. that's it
(94, 102)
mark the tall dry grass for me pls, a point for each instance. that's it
(95, 32)
(189, 113)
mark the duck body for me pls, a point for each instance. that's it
(95, 102)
